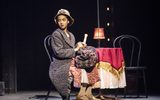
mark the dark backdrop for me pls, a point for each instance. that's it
(25, 23)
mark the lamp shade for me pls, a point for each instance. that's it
(99, 33)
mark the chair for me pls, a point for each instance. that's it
(47, 46)
(131, 47)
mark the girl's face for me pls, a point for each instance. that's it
(62, 21)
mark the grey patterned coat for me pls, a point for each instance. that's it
(63, 52)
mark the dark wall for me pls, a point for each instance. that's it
(24, 25)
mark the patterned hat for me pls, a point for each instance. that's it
(66, 13)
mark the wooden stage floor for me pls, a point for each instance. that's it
(39, 95)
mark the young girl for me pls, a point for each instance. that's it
(63, 45)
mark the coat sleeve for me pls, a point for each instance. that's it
(58, 47)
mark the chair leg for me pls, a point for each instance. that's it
(145, 85)
(47, 94)
(137, 83)
(125, 90)
(116, 93)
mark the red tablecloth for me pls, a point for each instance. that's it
(114, 56)
(111, 68)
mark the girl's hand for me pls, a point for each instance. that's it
(80, 45)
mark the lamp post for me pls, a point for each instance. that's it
(98, 32)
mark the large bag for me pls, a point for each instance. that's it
(86, 58)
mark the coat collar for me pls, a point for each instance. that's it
(70, 41)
